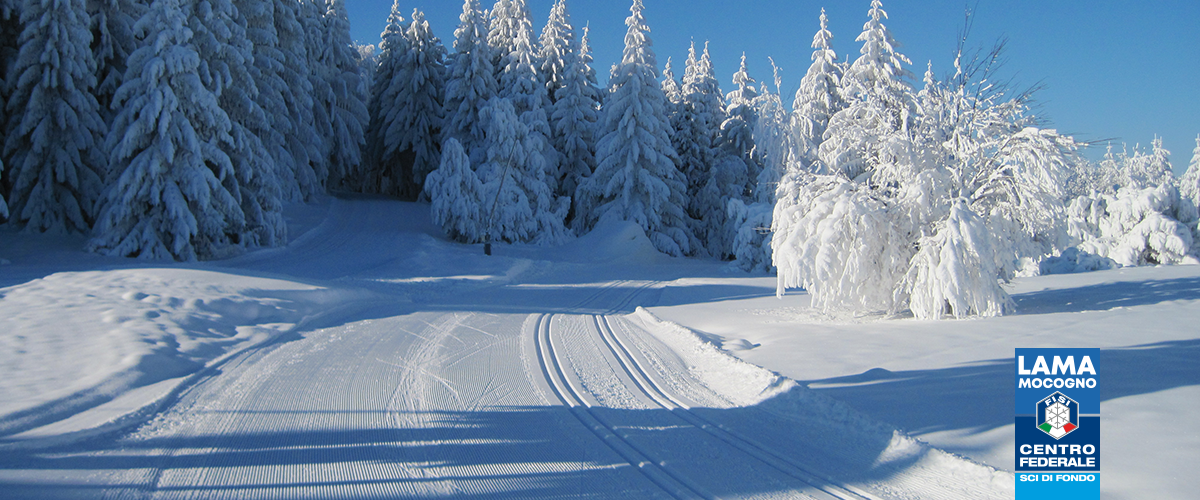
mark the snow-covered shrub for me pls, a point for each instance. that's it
(1074, 260)
(1135, 226)
(751, 224)
(455, 194)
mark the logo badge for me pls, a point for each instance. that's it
(1057, 415)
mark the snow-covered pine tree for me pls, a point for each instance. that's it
(167, 200)
(714, 177)
(311, 16)
(674, 109)
(52, 149)
(304, 145)
(418, 119)
(670, 86)
(384, 89)
(636, 179)
(558, 36)
(774, 143)
(520, 83)
(818, 98)
(226, 68)
(112, 42)
(1146, 170)
(1189, 184)
(9, 31)
(502, 31)
(265, 70)
(737, 130)
(456, 195)
(346, 106)
(872, 131)
(368, 62)
(519, 205)
(574, 117)
(470, 82)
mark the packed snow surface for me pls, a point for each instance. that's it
(373, 358)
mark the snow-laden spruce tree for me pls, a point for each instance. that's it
(1143, 170)
(872, 130)
(670, 86)
(304, 144)
(555, 43)
(413, 120)
(713, 175)
(1189, 184)
(226, 68)
(266, 66)
(385, 88)
(519, 205)
(166, 200)
(470, 82)
(818, 98)
(456, 195)
(774, 142)
(504, 21)
(520, 83)
(750, 220)
(9, 22)
(698, 140)
(346, 106)
(368, 62)
(112, 42)
(636, 179)
(52, 150)
(573, 117)
(737, 131)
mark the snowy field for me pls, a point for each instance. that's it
(372, 358)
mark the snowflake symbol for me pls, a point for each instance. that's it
(1058, 415)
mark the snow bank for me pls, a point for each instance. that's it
(840, 434)
(80, 340)
(612, 240)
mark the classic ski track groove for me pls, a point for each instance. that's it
(825, 488)
(671, 482)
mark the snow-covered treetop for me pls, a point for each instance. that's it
(700, 87)
(558, 37)
(519, 75)
(393, 34)
(880, 64)
(745, 84)
(818, 97)
(509, 19)
(637, 40)
(472, 28)
(670, 85)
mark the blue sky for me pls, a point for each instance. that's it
(1112, 69)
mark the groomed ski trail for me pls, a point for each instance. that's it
(488, 391)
